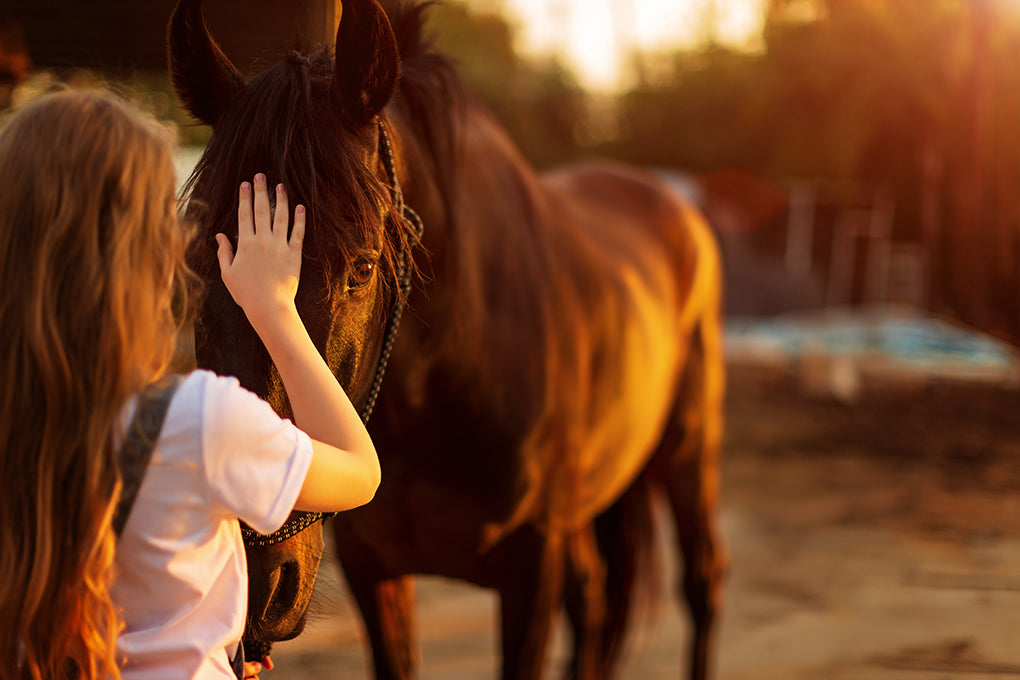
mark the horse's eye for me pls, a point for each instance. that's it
(361, 274)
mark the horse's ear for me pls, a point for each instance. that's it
(367, 60)
(202, 76)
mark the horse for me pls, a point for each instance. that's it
(559, 366)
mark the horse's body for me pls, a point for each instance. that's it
(572, 343)
(560, 359)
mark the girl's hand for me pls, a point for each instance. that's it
(263, 275)
(253, 668)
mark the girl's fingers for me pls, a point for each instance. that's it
(224, 252)
(263, 217)
(297, 236)
(282, 214)
(245, 222)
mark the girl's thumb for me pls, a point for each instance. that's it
(224, 252)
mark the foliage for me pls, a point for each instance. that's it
(921, 97)
(541, 105)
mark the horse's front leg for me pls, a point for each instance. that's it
(386, 603)
(528, 567)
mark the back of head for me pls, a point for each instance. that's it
(91, 257)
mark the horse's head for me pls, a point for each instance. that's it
(312, 122)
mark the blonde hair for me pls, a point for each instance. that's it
(91, 273)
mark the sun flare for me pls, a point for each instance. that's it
(597, 37)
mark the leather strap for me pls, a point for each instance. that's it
(141, 439)
(237, 663)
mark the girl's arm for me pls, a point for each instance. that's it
(263, 278)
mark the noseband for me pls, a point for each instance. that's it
(294, 526)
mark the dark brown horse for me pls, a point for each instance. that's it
(560, 360)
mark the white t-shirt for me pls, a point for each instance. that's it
(181, 576)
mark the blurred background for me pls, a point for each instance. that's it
(859, 162)
(855, 151)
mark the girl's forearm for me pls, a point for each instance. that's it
(320, 406)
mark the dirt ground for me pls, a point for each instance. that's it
(879, 539)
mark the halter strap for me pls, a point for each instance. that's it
(402, 272)
(306, 519)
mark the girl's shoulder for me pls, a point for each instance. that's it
(253, 461)
(208, 390)
(227, 415)
(221, 398)
(201, 380)
(206, 405)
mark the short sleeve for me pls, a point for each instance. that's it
(255, 461)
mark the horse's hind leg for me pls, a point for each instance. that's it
(585, 598)
(386, 605)
(527, 567)
(601, 578)
(686, 464)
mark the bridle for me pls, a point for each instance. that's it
(303, 520)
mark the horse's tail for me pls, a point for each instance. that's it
(626, 537)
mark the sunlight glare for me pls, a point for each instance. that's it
(596, 37)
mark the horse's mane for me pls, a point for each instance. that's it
(442, 113)
(430, 90)
(286, 127)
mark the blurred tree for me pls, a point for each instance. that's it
(921, 97)
(542, 106)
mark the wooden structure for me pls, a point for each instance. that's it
(121, 36)
(854, 251)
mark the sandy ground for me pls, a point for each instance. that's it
(879, 539)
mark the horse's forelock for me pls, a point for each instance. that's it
(283, 125)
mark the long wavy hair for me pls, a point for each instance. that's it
(92, 282)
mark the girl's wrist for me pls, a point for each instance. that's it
(272, 319)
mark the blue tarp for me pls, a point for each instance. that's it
(895, 335)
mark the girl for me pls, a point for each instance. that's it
(91, 265)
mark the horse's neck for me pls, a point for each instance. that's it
(487, 259)
(423, 191)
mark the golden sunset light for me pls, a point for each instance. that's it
(658, 339)
(597, 37)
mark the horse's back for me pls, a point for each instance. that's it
(636, 270)
(622, 209)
